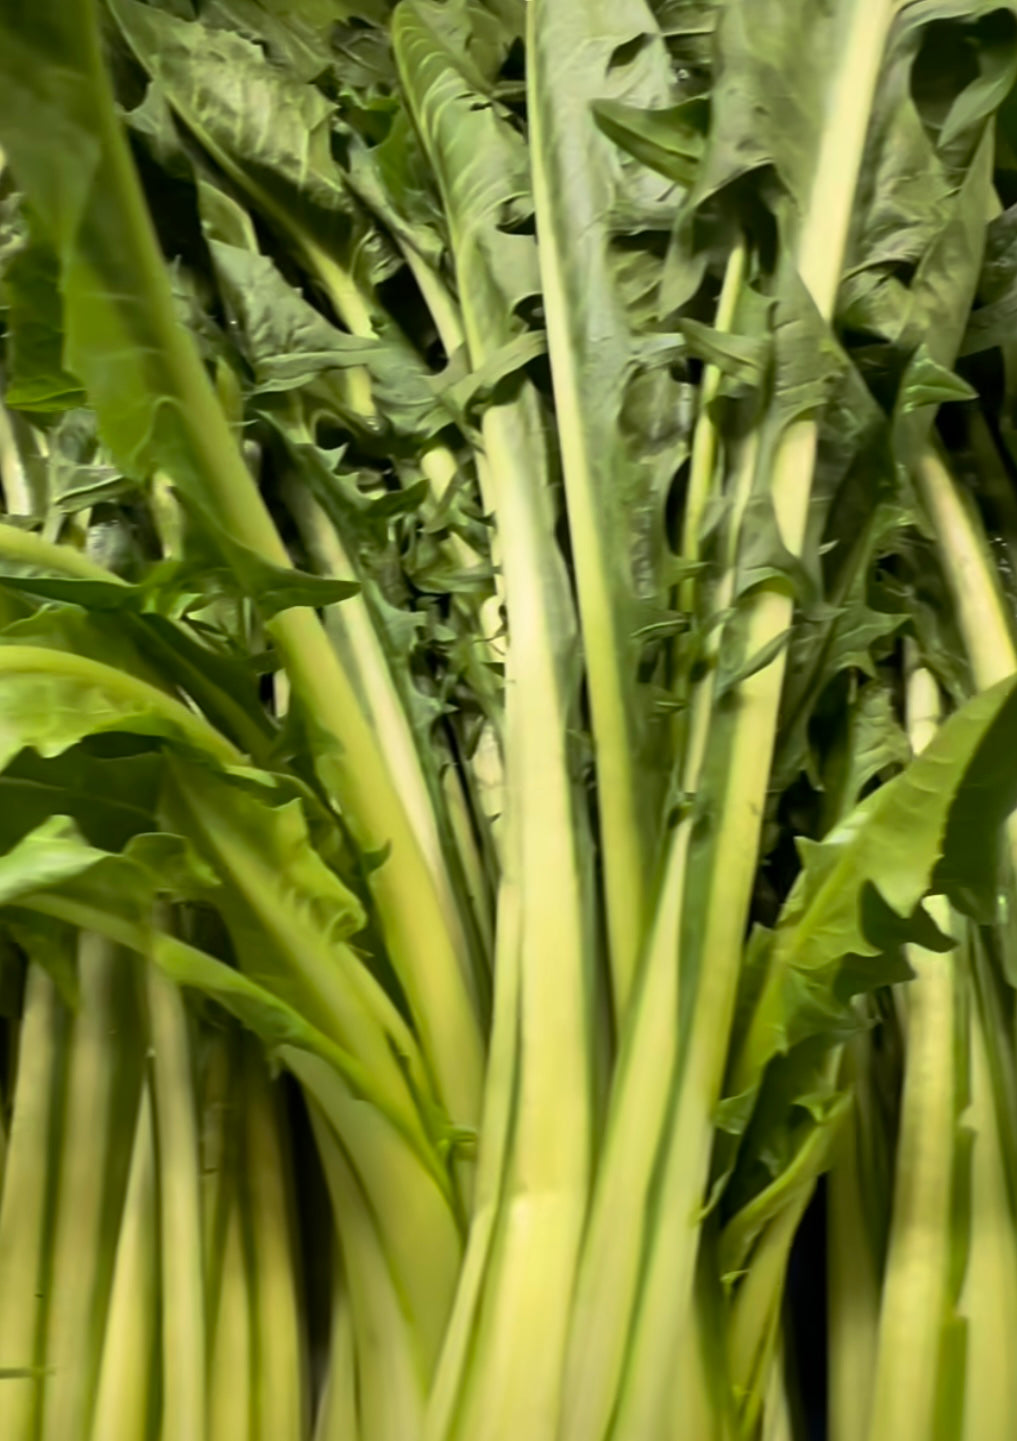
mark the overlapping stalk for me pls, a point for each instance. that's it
(532, 1231)
(477, 831)
(627, 1379)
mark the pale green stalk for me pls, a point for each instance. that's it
(126, 1367)
(477, 883)
(12, 479)
(706, 438)
(184, 1391)
(14, 486)
(438, 299)
(229, 1333)
(915, 1298)
(495, 1134)
(979, 605)
(218, 1143)
(513, 1379)
(757, 1243)
(571, 195)
(513, 1391)
(390, 1374)
(988, 1300)
(852, 1284)
(703, 1402)
(167, 516)
(403, 1179)
(755, 1315)
(749, 744)
(608, 1276)
(410, 1213)
(337, 1413)
(231, 1372)
(25, 1201)
(777, 1423)
(79, 1275)
(279, 1396)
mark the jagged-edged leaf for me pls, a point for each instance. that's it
(143, 377)
(766, 107)
(51, 699)
(268, 833)
(139, 638)
(853, 634)
(393, 180)
(304, 35)
(288, 343)
(919, 232)
(735, 666)
(110, 798)
(55, 859)
(763, 556)
(916, 833)
(269, 130)
(291, 918)
(926, 382)
(272, 588)
(809, 364)
(481, 386)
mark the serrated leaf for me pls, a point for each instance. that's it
(50, 700)
(935, 826)
(289, 343)
(110, 799)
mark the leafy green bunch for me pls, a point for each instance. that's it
(507, 686)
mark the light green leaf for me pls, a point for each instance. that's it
(50, 700)
(52, 853)
(934, 827)
(37, 380)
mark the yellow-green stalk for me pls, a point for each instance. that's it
(25, 1203)
(127, 1367)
